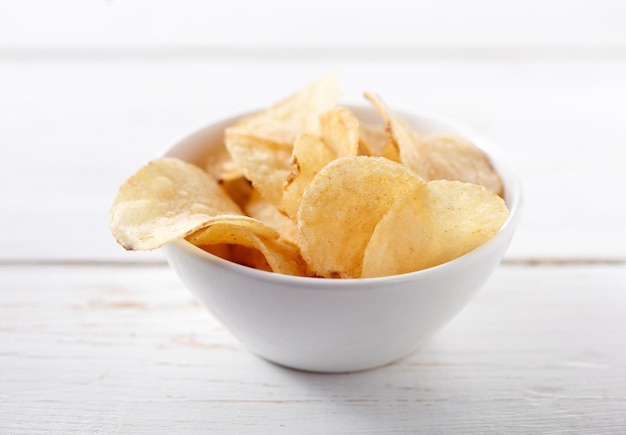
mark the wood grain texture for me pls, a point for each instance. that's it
(97, 340)
(127, 350)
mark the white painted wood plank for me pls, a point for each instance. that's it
(126, 349)
(71, 132)
(144, 23)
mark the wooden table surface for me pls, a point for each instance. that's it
(94, 339)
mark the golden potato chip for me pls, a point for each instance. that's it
(310, 155)
(441, 157)
(265, 163)
(282, 257)
(341, 207)
(298, 113)
(340, 131)
(436, 222)
(221, 166)
(404, 137)
(239, 189)
(448, 157)
(261, 209)
(377, 142)
(239, 254)
(251, 224)
(164, 201)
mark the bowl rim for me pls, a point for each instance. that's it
(513, 198)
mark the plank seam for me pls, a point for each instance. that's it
(528, 262)
(443, 52)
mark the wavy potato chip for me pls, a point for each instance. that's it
(263, 210)
(281, 256)
(299, 113)
(377, 142)
(310, 155)
(265, 163)
(340, 131)
(239, 190)
(222, 167)
(405, 139)
(434, 223)
(448, 157)
(341, 207)
(438, 157)
(244, 255)
(166, 200)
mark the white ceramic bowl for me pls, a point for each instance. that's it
(334, 325)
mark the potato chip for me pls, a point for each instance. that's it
(164, 201)
(265, 163)
(341, 207)
(282, 257)
(298, 113)
(239, 189)
(377, 142)
(340, 131)
(261, 209)
(442, 157)
(404, 137)
(436, 222)
(310, 155)
(448, 157)
(240, 254)
(221, 166)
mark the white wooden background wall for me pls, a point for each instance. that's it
(94, 339)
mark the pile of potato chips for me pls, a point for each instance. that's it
(306, 188)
